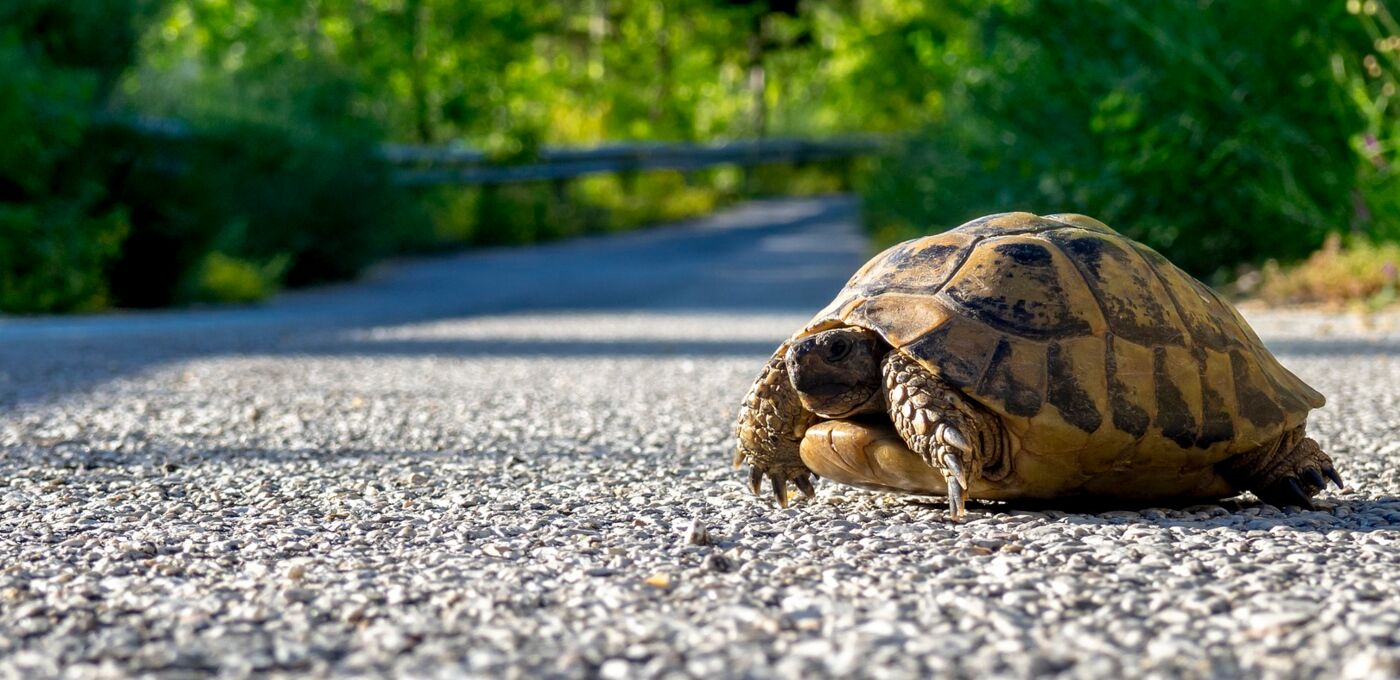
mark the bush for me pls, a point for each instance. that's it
(58, 228)
(53, 255)
(254, 192)
(1216, 132)
(275, 181)
(273, 171)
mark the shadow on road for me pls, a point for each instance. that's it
(552, 348)
(1334, 347)
(1332, 514)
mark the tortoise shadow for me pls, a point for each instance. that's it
(1242, 513)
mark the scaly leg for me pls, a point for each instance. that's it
(950, 432)
(1287, 471)
(771, 424)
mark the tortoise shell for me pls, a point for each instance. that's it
(1083, 340)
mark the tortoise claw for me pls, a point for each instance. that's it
(780, 490)
(1331, 473)
(804, 484)
(1285, 492)
(1314, 479)
(956, 479)
(1299, 497)
(949, 436)
(780, 478)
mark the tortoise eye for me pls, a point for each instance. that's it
(839, 350)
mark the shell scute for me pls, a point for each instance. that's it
(1254, 404)
(1015, 377)
(957, 350)
(1003, 224)
(1083, 222)
(900, 317)
(1131, 399)
(1023, 286)
(1076, 380)
(1202, 313)
(1217, 398)
(920, 266)
(1178, 390)
(1135, 304)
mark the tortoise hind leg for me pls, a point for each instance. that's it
(950, 432)
(1287, 471)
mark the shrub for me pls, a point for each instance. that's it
(275, 167)
(58, 230)
(53, 255)
(253, 192)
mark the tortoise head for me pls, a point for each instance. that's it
(837, 373)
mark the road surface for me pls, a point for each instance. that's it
(495, 464)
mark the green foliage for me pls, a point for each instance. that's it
(1215, 132)
(507, 76)
(520, 214)
(52, 255)
(94, 38)
(285, 102)
(279, 182)
(627, 202)
(58, 227)
(251, 191)
(1372, 80)
(809, 179)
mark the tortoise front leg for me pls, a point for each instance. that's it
(772, 422)
(951, 433)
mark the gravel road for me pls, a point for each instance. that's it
(515, 463)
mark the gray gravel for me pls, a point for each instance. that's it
(515, 464)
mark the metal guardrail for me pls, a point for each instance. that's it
(425, 165)
(418, 166)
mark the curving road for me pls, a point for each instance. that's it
(497, 464)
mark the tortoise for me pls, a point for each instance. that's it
(1020, 356)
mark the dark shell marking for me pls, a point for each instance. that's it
(1017, 384)
(917, 266)
(1134, 303)
(1174, 418)
(1178, 361)
(1064, 392)
(1128, 414)
(960, 351)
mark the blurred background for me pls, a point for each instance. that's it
(170, 152)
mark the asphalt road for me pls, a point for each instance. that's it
(497, 464)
